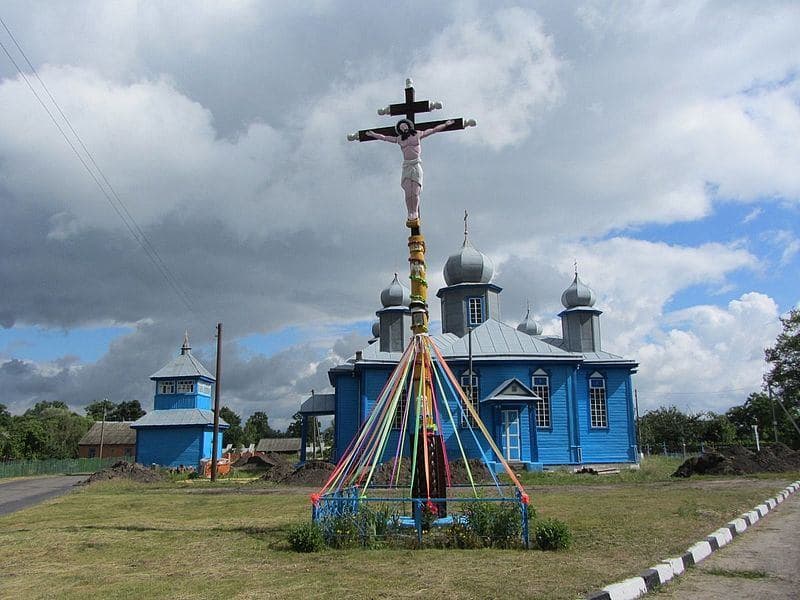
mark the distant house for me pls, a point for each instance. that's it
(118, 440)
(278, 445)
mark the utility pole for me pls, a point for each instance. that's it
(102, 429)
(469, 368)
(636, 405)
(755, 434)
(774, 420)
(217, 388)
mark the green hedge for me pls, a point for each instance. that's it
(22, 468)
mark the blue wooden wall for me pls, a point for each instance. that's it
(169, 446)
(558, 444)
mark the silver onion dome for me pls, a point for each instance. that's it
(529, 325)
(468, 265)
(578, 294)
(395, 294)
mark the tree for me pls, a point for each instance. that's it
(295, 428)
(130, 410)
(715, 429)
(257, 427)
(96, 413)
(234, 435)
(5, 417)
(784, 358)
(758, 410)
(667, 426)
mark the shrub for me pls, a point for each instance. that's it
(342, 532)
(306, 537)
(460, 535)
(552, 534)
(496, 524)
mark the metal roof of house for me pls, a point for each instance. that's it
(319, 404)
(178, 417)
(113, 433)
(278, 445)
(183, 365)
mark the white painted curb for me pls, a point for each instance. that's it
(669, 568)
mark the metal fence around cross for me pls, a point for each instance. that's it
(67, 466)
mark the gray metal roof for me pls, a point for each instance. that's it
(183, 365)
(278, 445)
(319, 404)
(492, 340)
(179, 417)
(113, 433)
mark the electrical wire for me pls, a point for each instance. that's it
(113, 198)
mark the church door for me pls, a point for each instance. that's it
(511, 442)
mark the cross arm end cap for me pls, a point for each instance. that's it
(352, 137)
(470, 123)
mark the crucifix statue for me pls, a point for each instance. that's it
(408, 134)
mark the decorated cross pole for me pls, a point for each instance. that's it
(430, 479)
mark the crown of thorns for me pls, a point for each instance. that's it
(407, 122)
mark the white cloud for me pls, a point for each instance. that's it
(712, 358)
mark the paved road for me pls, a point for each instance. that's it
(22, 493)
(762, 563)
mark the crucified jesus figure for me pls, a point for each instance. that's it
(409, 140)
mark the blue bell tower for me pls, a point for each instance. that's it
(179, 430)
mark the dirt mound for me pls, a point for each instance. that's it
(275, 466)
(126, 470)
(738, 460)
(313, 472)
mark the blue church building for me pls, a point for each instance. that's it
(546, 400)
(179, 429)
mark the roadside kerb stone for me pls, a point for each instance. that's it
(669, 568)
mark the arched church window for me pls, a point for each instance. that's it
(470, 385)
(598, 409)
(540, 384)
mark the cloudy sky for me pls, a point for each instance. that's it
(658, 144)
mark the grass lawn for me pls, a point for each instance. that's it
(190, 540)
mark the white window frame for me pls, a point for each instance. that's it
(166, 387)
(598, 403)
(475, 302)
(542, 390)
(204, 388)
(185, 386)
(467, 419)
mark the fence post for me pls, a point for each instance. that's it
(418, 519)
(525, 533)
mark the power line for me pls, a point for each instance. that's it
(113, 198)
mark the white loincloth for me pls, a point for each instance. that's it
(412, 169)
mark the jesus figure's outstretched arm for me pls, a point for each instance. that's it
(380, 136)
(437, 129)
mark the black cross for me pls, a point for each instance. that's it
(409, 110)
